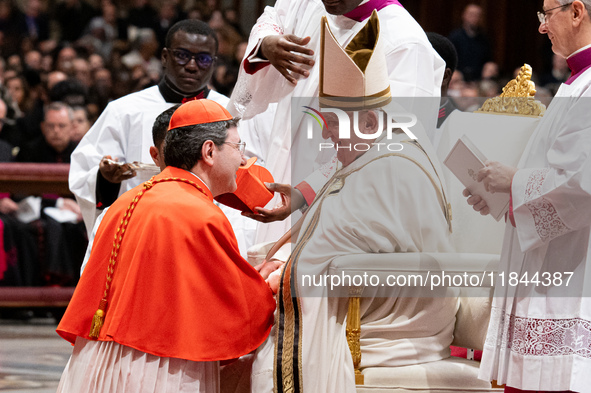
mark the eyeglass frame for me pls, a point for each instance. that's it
(542, 14)
(240, 146)
(192, 56)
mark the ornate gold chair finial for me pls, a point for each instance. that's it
(517, 97)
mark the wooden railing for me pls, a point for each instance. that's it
(34, 179)
(35, 296)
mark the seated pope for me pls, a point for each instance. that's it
(385, 197)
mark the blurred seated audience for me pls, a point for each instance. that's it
(488, 88)
(144, 54)
(55, 145)
(46, 233)
(557, 75)
(5, 147)
(80, 123)
(490, 71)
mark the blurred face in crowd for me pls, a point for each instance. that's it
(64, 60)
(472, 15)
(33, 8)
(96, 61)
(33, 60)
(490, 70)
(16, 87)
(14, 62)
(190, 77)
(9, 74)
(168, 10)
(102, 78)
(54, 77)
(47, 63)
(340, 7)
(217, 20)
(57, 129)
(82, 71)
(80, 124)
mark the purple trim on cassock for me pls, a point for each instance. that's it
(364, 11)
(578, 64)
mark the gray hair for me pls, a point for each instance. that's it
(586, 3)
(58, 106)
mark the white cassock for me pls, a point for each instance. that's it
(539, 336)
(107, 366)
(383, 202)
(414, 68)
(124, 131)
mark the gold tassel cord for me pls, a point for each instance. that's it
(99, 316)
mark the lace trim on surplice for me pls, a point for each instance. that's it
(540, 337)
(547, 222)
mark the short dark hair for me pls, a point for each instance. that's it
(182, 145)
(445, 49)
(191, 26)
(161, 125)
(70, 91)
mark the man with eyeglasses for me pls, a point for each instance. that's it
(123, 132)
(539, 334)
(55, 145)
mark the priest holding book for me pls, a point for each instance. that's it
(539, 335)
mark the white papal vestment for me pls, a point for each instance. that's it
(381, 203)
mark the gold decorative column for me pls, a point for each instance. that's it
(354, 330)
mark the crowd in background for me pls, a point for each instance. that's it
(478, 75)
(83, 54)
(87, 53)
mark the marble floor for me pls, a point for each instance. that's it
(32, 356)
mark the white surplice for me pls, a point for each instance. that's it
(539, 336)
(414, 68)
(381, 203)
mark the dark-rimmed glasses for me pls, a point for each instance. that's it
(241, 146)
(182, 57)
(542, 14)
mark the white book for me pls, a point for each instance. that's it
(465, 160)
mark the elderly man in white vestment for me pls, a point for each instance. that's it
(383, 200)
(539, 336)
(287, 36)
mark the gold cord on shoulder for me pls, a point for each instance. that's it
(99, 316)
